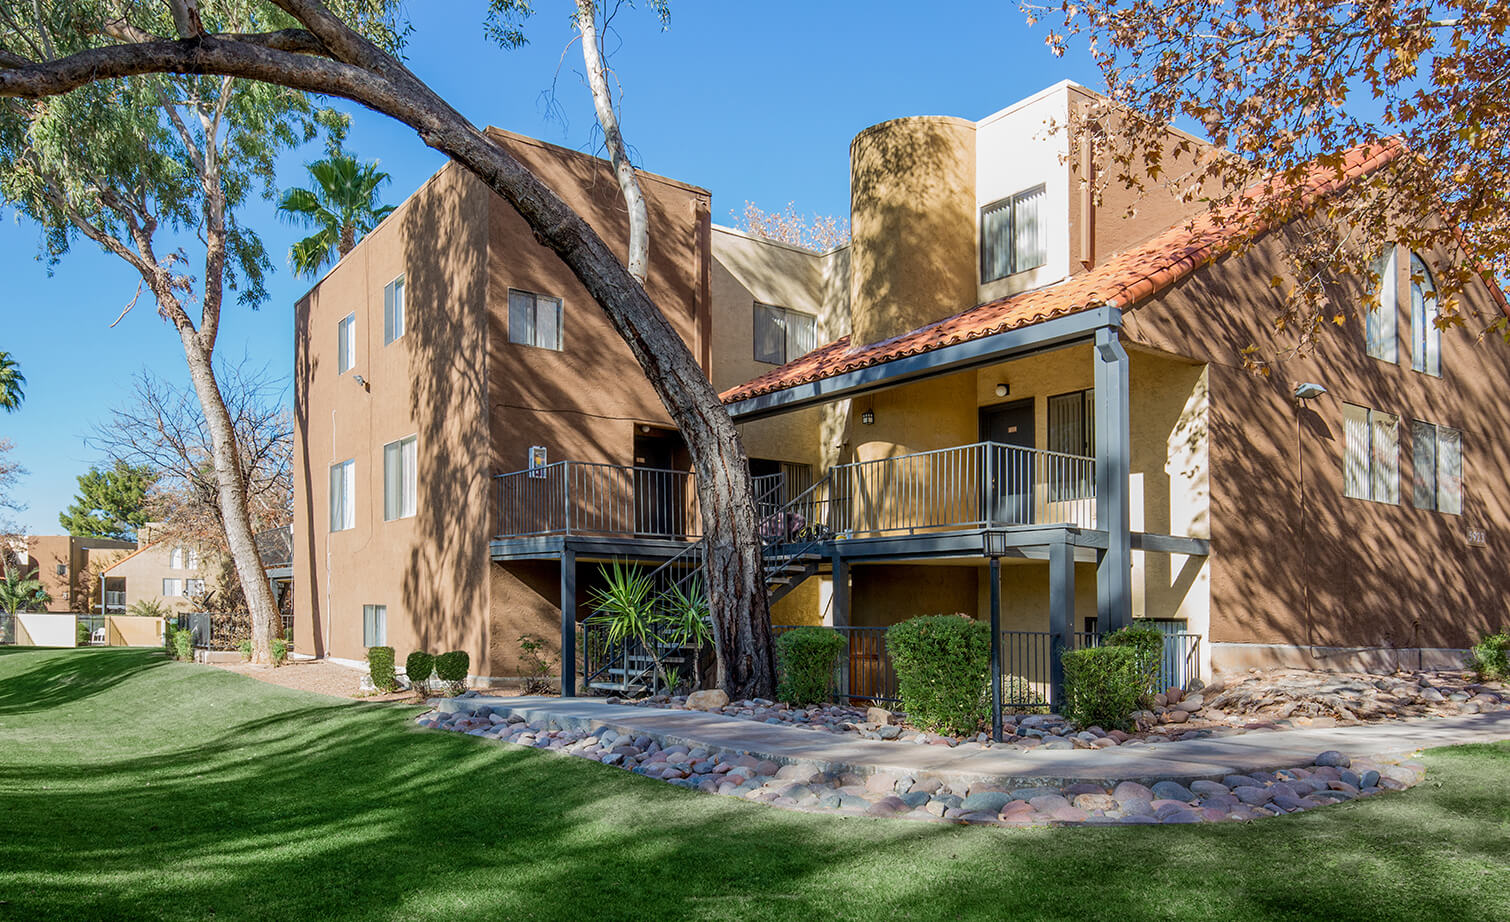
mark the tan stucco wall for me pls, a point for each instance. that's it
(133, 632)
(145, 571)
(912, 204)
(474, 401)
(885, 594)
(1373, 574)
(48, 552)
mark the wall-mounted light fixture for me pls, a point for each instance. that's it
(1308, 391)
(361, 381)
(1003, 389)
(868, 417)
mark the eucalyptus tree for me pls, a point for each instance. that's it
(346, 49)
(152, 169)
(342, 204)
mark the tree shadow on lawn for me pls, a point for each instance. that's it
(60, 676)
(344, 811)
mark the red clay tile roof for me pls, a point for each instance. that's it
(1123, 280)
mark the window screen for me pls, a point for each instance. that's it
(1437, 457)
(782, 334)
(534, 320)
(1012, 237)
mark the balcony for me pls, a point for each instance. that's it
(965, 488)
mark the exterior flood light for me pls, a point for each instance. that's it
(1308, 391)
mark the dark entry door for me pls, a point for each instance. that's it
(1009, 470)
(660, 482)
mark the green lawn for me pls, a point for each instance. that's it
(136, 788)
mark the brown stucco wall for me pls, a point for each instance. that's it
(1355, 573)
(48, 552)
(913, 217)
(474, 401)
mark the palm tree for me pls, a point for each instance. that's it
(11, 380)
(22, 592)
(343, 204)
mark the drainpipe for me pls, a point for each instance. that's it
(1113, 474)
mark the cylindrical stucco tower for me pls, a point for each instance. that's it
(912, 207)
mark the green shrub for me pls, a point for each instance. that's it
(451, 668)
(418, 666)
(1148, 649)
(1102, 685)
(246, 649)
(805, 659)
(380, 668)
(148, 608)
(537, 665)
(183, 645)
(943, 665)
(81, 634)
(280, 650)
(1490, 658)
(1020, 696)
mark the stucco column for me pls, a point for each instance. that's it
(1113, 473)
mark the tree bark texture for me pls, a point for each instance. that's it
(333, 60)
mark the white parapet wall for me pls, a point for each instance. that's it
(34, 629)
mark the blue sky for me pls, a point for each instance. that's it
(753, 101)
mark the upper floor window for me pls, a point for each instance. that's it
(343, 495)
(183, 558)
(1426, 339)
(534, 320)
(193, 587)
(393, 310)
(346, 343)
(173, 588)
(782, 334)
(1437, 453)
(1380, 321)
(1072, 431)
(1011, 235)
(400, 478)
(1371, 460)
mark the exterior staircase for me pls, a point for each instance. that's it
(791, 545)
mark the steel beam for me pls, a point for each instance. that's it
(568, 623)
(1113, 473)
(996, 649)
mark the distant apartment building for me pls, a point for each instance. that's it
(62, 563)
(168, 571)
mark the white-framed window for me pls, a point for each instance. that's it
(400, 478)
(1437, 456)
(1380, 323)
(346, 343)
(782, 334)
(176, 558)
(1426, 339)
(193, 587)
(393, 310)
(374, 625)
(191, 558)
(1012, 237)
(534, 320)
(173, 588)
(1371, 454)
(343, 495)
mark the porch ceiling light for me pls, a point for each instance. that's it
(1308, 391)
(1002, 389)
(868, 418)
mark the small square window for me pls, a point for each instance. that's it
(1012, 237)
(374, 625)
(393, 310)
(782, 334)
(173, 588)
(534, 320)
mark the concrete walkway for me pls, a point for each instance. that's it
(1181, 761)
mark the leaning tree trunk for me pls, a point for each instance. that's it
(237, 522)
(336, 61)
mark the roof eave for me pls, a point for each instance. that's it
(1038, 337)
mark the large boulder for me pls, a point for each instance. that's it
(709, 699)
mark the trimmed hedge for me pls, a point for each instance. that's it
(1102, 685)
(1490, 658)
(943, 665)
(380, 668)
(805, 659)
(183, 645)
(451, 668)
(280, 651)
(1148, 647)
(418, 666)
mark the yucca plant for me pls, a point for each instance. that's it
(624, 606)
(684, 619)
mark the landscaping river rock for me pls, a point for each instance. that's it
(1331, 778)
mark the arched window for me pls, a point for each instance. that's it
(1380, 322)
(1426, 339)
